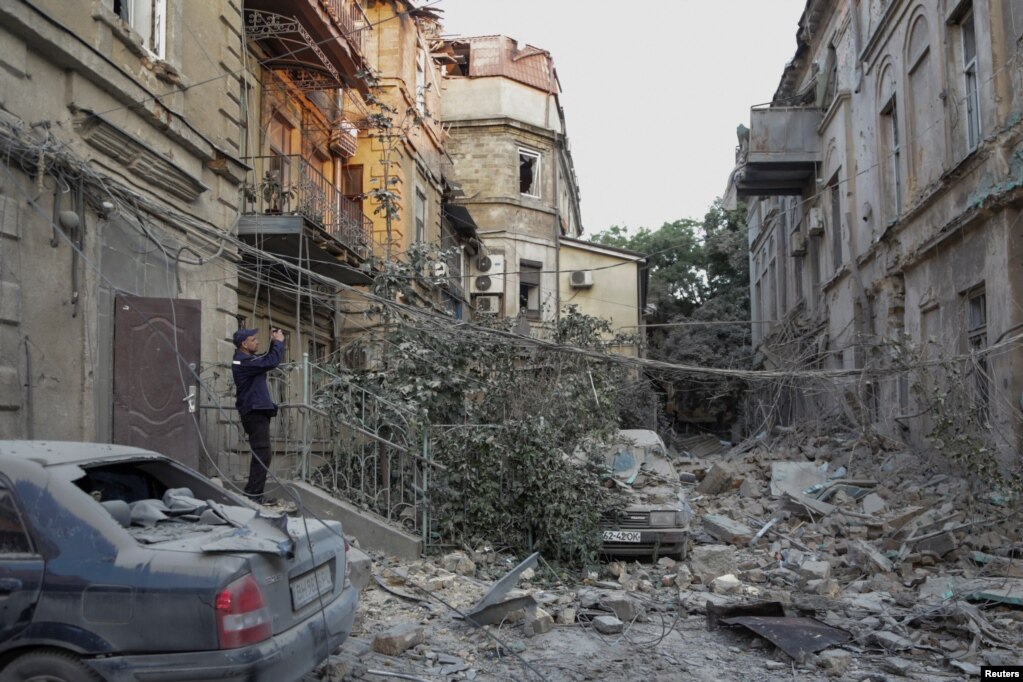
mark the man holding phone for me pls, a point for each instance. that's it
(255, 407)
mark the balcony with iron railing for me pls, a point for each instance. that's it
(290, 196)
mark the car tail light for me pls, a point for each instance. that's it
(242, 616)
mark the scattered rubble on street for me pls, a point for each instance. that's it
(817, 558)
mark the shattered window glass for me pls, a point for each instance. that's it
(529, 173)
(13, 538)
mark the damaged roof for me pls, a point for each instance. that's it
(498, 55)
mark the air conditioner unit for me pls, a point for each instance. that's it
(440, 270)
(491, 280)
(489, 304)
(798, 244)
(815, 226)
(581, 279)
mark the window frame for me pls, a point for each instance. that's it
(893, 156)
(529, 291)
(19, 517)
(421, 211)
(971, 83)
(536, 183)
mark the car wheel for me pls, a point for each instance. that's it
(47, 666)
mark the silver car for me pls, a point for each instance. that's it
(120, 564)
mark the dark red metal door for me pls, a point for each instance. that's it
(156, 349)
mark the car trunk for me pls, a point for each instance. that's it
(299, 564)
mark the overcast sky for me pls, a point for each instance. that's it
(652, 91)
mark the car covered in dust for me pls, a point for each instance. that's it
(117, 563)
(655, 521)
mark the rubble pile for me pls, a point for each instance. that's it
(825, 557)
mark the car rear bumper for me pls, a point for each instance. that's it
(286, 657)
(664, 542)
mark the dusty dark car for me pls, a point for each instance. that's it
(120, 564)
(656, 520)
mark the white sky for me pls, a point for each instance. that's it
(652, 91)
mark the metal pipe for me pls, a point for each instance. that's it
(305, 416)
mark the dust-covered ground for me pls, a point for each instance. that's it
(914, 572)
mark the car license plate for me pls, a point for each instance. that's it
(621, 536)
(308, 587)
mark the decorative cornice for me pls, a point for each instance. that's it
(136, 156)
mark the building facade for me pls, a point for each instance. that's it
(119, 123)
(884, 191)
(513, 163)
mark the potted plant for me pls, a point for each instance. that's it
(273, 192)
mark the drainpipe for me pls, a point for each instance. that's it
(557, 234)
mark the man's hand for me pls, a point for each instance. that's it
(277, 335)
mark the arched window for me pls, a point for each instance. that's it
(890, 139)
(924, 111)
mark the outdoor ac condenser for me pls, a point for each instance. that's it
(491, 280)
(581, 279)
(489, 304)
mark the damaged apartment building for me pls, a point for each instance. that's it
(884, 183)
(513, 165)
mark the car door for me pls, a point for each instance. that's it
(21, 568)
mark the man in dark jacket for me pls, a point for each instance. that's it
(255, 407)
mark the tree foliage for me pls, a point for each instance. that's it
(505, 417)
(699, 281)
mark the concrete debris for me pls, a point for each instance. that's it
(710, 561)
(608, 625)
(458, 562)
(717, 480)
(911, 574)
(398, 639)
(726, 530)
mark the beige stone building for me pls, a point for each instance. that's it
(513, 163)
(884, 189)
(606, 282)
(120, 136)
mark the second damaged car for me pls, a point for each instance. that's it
(120, 564)
(655, 519)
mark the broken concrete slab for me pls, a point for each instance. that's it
(623, 606)
(717, 480)
(709, 561)
(398, 639)
(458, 562)
(360, 567)
(873, 504)
(815, 570)
(727, 530)
(795, 477)
(726, 584)
(607, 625)
(864, 555)
(891, 641)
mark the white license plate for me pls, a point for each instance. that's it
(310, 586)
(621, 536)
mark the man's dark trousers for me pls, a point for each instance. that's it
(257, 426)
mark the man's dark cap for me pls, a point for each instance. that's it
(243, 334)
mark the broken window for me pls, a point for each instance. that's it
(13, 538)
(972, 93)
(148, 18)
(836, 224)
(892, 159)
(421, 81)
(976, 343)
(529, 288)
(461, 56)
(529, 173)
(420, 216)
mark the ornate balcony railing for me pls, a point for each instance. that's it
(349, 17)
(291, 184)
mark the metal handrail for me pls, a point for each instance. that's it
(308, 192)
